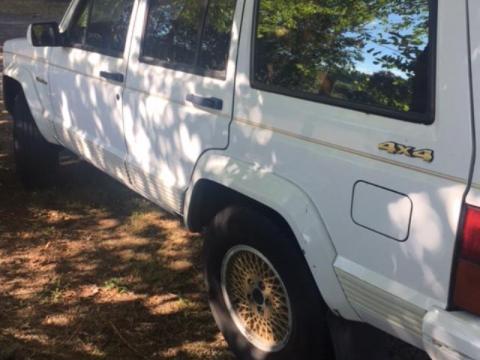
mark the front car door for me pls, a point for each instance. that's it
(179, 96)
(87, 80)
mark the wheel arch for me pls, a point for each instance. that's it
(18, 78)
(11, 88)
(210, 197)
(220, 180)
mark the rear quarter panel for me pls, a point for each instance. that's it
(325, 150)
(474, 194)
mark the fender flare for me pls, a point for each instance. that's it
(290, 202)
(23, 75)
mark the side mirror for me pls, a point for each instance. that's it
(44, 34)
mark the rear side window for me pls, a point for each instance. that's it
(191, 36)
(371, 55)
(102, 26)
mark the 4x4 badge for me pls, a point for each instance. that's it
(399, 149)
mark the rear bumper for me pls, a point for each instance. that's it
(451, 335)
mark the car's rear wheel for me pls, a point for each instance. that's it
(256, 298)
(36, 159)
(261, 291)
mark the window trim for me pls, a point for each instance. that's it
(84, 46)
(426, 119)
(71, 24)
(189, 69)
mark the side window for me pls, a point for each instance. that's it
(374, 56)
(172, 31)
(108, 26)
(102, 26)
(193, 36)
(215, 42)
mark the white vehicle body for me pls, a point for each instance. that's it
(379, 230)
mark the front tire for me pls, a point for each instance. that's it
(261, 291)
(36, 159)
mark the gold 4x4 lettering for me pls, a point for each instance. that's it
(399, 149)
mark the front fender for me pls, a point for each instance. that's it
(36, 98)
(293, 205)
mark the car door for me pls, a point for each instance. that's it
(179, 94)
(86, 80)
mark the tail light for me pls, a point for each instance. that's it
(467, 279)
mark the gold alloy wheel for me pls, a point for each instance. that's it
(256, 298)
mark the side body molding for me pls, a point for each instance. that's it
(36, 98)
(292, 204)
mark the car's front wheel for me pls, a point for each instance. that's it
(36, 159)
(261, 291)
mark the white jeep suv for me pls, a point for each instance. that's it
(327, 146)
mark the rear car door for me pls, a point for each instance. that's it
(87, 80)
(179, 96)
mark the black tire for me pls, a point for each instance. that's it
(36, 159)
(236, 228)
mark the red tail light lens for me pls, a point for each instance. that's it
(467, 280)
(471, 235)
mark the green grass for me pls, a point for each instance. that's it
(54, 292)
(115, 284)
